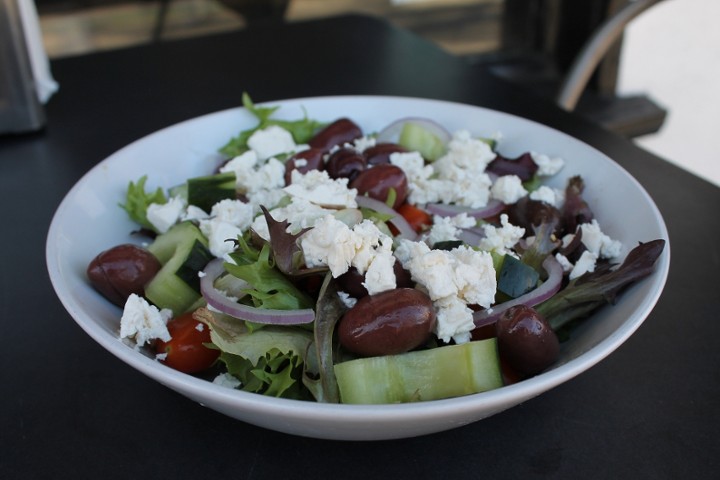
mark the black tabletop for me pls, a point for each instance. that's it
(69, 409)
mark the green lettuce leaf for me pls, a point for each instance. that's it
(269, 361)
(270, 288)
(302, 130)
(137, 201)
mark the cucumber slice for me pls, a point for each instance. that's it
(415, 137)
(516, 278)
(204, 192)
(442, 372)
(183, 252)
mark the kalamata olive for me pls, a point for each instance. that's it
(381, 152)
(387, 323)
(345, 163)
(378, 180)
(338, 132)
(351, 282)
(122, 270)
(525, 340)
(303, 162)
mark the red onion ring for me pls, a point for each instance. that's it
(390, 133)
(397, 220)
(549, 288)
(225, 305)
(471, 236)
(446, 210)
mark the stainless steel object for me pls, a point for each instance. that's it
(20, 108)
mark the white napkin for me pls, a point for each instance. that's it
(45, 85)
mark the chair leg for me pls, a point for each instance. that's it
(160, 20)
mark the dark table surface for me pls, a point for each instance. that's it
(69, 409)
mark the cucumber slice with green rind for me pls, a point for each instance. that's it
(415, 137)
(183, 252)
(443, 372)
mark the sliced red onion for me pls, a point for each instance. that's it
(445, 210)
(220, 302)
(391, 133)
(397, 220)
(471, 236)
(549, 288)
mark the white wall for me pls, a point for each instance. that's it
(672, 53)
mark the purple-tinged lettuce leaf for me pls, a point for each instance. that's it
(595, 289)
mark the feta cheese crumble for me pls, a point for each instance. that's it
(508, 189)
(457, 177)
(453, 280)
(332, 243)
(162, 216)
(547, 166)
(143, 321)
(317, 187)
(271, 141)
(501, 239)
(448, 228)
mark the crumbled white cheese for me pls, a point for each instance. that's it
(452, 279)
(564, 262)
(501, 239)
(235, 212)
(194, 213)
(586, 263)
(220, 236)
(380, 275)
(299, 213)
(227, 380)
(547, 166)
(363, 143)
(346, 299)
(601, 245)
(331, 242)
(454, 320)
(162, 216)
(228, 220)
(508, 189)
(143, 321)
(271, 141)
(448, 228)
(551, 196)
(467, 153)
(458, 177)
(317, 187)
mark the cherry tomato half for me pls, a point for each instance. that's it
(185, 350)
(418, 218)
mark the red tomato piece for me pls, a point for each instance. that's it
(185, 350)
(418, 218)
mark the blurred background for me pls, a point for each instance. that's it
(657, 84)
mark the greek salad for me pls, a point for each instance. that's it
(322, 262)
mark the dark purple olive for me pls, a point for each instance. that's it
(388, 323)
(345, 163)
(381, 152)
(339, 132)
(351, 281)
(310, 159)
(378, 180)
(526, 341)
(122, 270)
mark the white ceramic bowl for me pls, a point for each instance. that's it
(168, 157)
